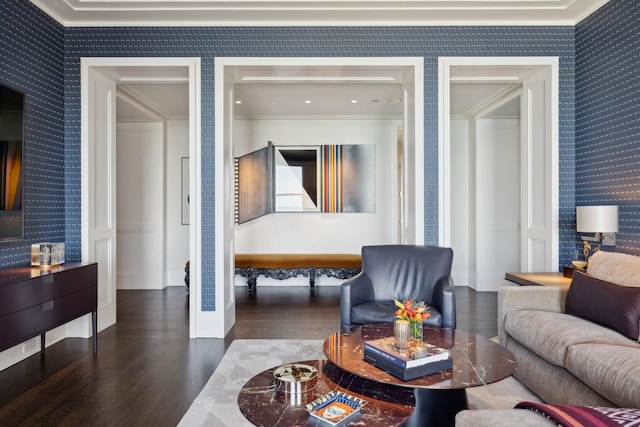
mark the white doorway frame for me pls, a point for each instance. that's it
(444, 138)
(193, 66)
(416, 64)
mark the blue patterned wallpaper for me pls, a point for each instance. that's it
(31, 61)
(428, 42)
(44, 60)
(608, 115)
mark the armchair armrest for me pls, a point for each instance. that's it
(512, 298)
(353, 291)
(444, 299)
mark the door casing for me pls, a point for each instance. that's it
(414, 176)
(197, 318)
(552, 120)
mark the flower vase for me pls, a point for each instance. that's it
(416, 330)
(401, 334)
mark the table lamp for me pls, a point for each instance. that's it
(601, 220)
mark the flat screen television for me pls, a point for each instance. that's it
(11, 174)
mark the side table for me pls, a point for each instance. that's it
(538, 279)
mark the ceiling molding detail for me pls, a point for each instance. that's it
(142, 103)
(226, 13)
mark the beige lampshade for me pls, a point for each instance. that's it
(597, 219)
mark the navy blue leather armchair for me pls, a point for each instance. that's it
(401, 272)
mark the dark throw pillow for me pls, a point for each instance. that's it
(604, 303)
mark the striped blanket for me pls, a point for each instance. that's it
(585, 416)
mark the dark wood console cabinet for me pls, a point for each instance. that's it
(34, 300)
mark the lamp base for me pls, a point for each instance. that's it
(609, 239)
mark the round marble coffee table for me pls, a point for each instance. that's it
(439, 397)
(264, 405)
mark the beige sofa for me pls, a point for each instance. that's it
(567, 358)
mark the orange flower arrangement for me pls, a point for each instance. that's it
(414, 313)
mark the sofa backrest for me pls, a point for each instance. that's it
(621, 269)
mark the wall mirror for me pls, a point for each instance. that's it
(11, 176)
(297, 179)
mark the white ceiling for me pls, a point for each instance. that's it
(76, 13)
(152, 94)
(321, 99)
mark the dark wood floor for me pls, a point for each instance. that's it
(147, 371)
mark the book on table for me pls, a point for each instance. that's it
(417, 353)
(406, 374)
(418, 360)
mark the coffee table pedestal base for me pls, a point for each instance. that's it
(437, 407)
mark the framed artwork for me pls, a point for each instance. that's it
(297, 179)
(184, 193)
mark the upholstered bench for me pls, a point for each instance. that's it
(285, 266)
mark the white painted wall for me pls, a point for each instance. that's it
(153, 244)
(176, 234)
(140, 207)
(460, 195)
(318, 232)
(485, 196)
(497, 201)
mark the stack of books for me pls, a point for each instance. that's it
(418, 360)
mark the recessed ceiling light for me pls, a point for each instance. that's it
(354, 101)
(375, 101)
(238, 102)
(308, 101)
(395, 101)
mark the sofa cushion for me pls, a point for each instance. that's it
(618, 268)
(611, 370)
(607, 304)
(549, 334)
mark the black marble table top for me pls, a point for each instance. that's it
(264, 405)
(476, 360)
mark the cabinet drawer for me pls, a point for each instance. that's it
(21, 325)
(20, 295)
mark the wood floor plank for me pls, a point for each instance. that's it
(148, 372)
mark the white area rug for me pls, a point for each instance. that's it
(216, 405)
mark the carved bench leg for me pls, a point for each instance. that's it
(251, 285)
(252, 280)
(312, 280)
(251, 275)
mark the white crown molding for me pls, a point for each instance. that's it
(506, 92)
(296, 13)
(142, 103)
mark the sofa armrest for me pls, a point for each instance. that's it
(512, 298)
(354, 291)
